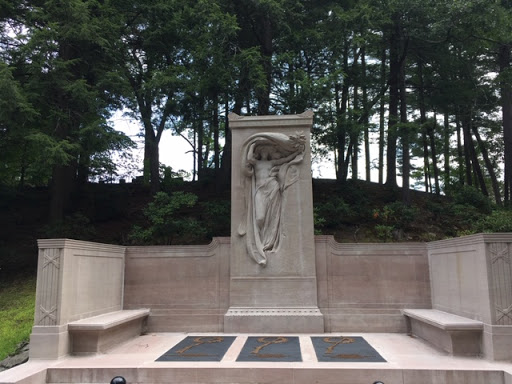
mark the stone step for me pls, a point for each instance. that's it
(279, 373)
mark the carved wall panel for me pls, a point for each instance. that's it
(501, 274)
(47, 310)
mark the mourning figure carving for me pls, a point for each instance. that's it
(268, 169)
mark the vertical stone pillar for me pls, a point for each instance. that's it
(273, 285)
(75, 280)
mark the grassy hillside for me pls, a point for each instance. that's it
(17, 296)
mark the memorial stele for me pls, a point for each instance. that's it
(273, 285)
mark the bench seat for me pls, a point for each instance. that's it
(454, 334)
(100, 333)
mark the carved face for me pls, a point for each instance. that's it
(264, 152)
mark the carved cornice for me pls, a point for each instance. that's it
(79, 244)
(479, 238)
(207, 250)
(303, 120)
(375, 249)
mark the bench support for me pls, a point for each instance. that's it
(101, 333)
(451, 333)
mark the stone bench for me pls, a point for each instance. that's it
(100, 333)
(454, 334)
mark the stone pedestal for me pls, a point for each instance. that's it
(273, 286)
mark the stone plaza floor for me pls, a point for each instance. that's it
(408, 360)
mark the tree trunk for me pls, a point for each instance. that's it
(341, 115)
(200, 147)
(431, 133)
(61, 188)
(446, 149)
(460, 153)
(423, 120)
(216, 144)
(226, 152)
(406, 160)
(266, 51)
(23, 165)
(467, 150)
(394, 96)
(382, 111)
(506, 107)
(468, 143)
(365, 119)
(355, 131)
(489, 166)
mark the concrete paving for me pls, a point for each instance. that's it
(408, 360)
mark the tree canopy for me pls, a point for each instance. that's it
(426, 83)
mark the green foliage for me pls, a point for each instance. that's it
(396, 215)
(498, 221)
(332, 212)
(170, 179)
(166, 220)
(318, 221)
(216, 217)
(384, 232)
(76, 226)
(17, 301)
(471, 197)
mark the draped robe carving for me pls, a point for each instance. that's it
(268, 169)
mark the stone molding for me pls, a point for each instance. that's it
(471, 240)
(302, 311)
(79, 244)
(303, 120)
(385, 249)
(206, 250)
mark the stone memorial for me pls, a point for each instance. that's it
(273, 285)
(199, 313)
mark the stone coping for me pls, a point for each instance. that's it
(80, 244)
(478, 238)
(444, 320)
(303, 120)
(108, 320)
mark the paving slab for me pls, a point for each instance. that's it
(407, 360)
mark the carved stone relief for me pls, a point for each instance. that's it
(46, 313)
(501, 269)
(268, 169)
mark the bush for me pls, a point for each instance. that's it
(470, 196)
(384, 232)
(170, 179)
(497, 221)
(77, 226)
(396, 215)
(166, 221)
(217, 217)
(331, 213)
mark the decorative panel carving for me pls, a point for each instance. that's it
(47, 311)
(501, 274)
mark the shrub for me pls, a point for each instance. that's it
(170, 179)
(384, 232)
(396, 215)
(166, 221)
(470, 196)
(217, 217)
(497, 221)
(331, 213)
(76, 226)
